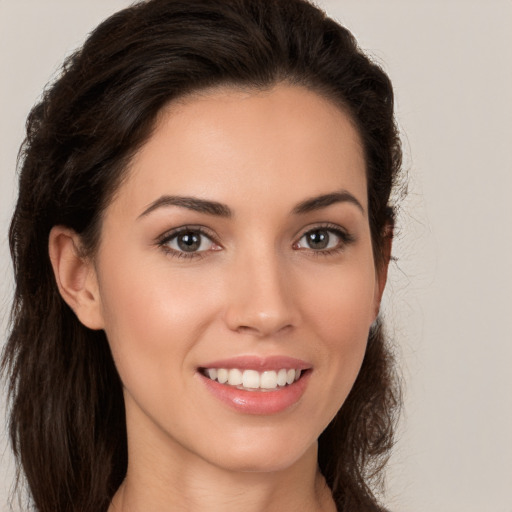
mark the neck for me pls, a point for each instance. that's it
(188, 484)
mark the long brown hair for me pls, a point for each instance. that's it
(67, 422)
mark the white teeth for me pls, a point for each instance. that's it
(222, 375)
(281, 377)
(268, 380)
(252, 379)
(235, 377)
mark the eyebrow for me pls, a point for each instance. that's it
(191, 203)
(325, 200)
(221, 210)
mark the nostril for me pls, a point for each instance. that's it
(263, 330)
(259, 315)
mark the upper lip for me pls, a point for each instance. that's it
(259, 363)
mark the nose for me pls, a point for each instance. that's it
(260, 297)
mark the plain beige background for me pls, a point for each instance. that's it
(450, 296)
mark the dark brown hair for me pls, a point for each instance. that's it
(67, 423)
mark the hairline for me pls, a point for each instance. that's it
(206, 91)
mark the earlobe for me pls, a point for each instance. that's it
(75, 276)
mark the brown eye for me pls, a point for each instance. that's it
(318, 239)
(188, 241)
(324, 240)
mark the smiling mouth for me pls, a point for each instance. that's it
(252, 380)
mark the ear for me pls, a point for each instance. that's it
(382, 267)
(75, 276)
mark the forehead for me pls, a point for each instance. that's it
(280, 144)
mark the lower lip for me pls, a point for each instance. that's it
(258, 402)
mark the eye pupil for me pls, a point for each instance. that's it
(318, 239)
(189, 242)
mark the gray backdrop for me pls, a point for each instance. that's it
(450, 292)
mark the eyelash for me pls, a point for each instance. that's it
(167, 237)
(345, 240)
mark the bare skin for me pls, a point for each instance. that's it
(279, 264)
(218, 491)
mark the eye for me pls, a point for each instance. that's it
(324, 239)
(188, 242)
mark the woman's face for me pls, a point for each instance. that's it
(239, 248)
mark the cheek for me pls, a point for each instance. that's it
(151, 317)
(340, 311)
(153, 321)
(340, 302)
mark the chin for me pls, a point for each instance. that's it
(265, 454)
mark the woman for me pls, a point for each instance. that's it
(201, 243)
